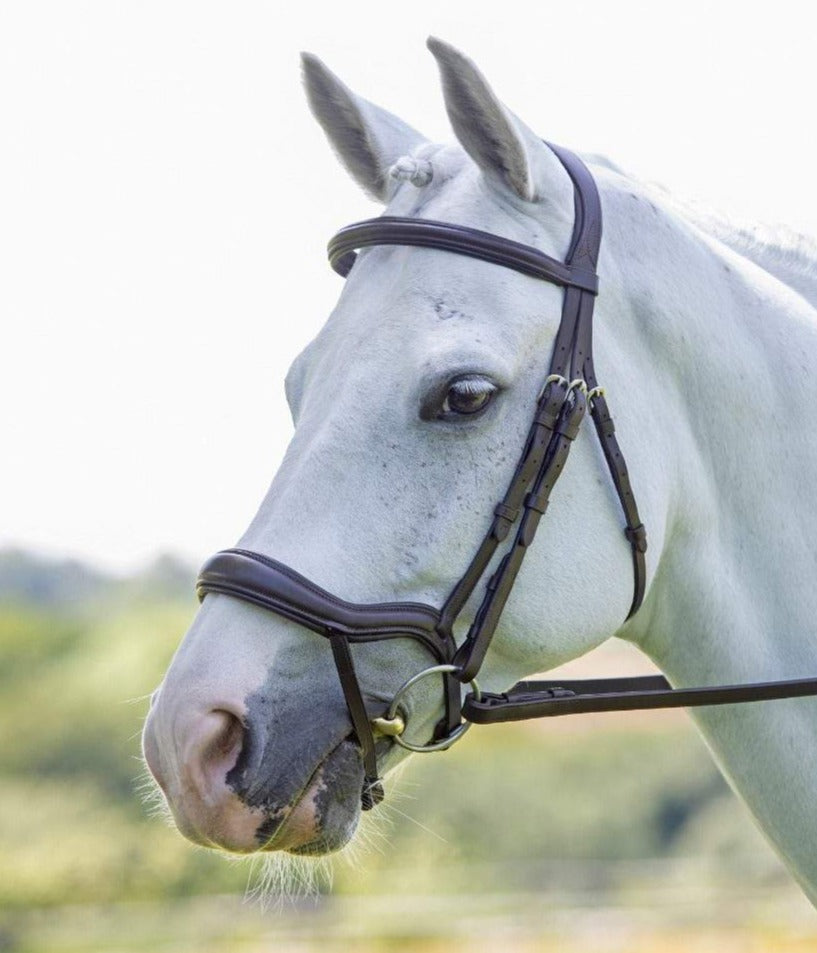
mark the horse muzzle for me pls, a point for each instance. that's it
(273, 586)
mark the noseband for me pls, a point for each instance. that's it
(569, 391)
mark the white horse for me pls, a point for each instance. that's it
(709, 355)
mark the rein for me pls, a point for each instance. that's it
(570, 390)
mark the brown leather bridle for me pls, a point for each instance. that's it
(569, 390)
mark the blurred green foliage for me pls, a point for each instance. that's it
(513, 808)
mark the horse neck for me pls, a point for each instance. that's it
(733, 354)
(732, 599)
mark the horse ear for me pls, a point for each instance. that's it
(502, 146)
(367, 139)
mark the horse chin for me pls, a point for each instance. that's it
(325, 816)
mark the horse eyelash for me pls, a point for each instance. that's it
(474, 385)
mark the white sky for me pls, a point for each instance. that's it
(165, 200)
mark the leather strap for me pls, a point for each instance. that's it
(544, 699)
(271, 585)
(634, 530)
(471, 653)
(372, 787)
(573, 354)
(584, 252)
(506, 512)
(443, 236)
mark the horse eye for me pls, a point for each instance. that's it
(467, 396)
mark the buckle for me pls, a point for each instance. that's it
(551, 379)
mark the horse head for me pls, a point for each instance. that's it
(411, 409)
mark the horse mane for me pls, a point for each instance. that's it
(786, 254)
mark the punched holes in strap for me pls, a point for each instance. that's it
(604, 423)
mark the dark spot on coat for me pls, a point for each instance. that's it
(444, 312)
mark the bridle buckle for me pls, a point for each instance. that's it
(551, 379)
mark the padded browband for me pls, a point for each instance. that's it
(274, 586)
(426, 233)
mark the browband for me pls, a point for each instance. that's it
(427, 233)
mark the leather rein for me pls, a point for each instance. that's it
(569, 392)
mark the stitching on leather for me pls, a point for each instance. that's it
(319, 625)
(472, 242)
(389, 607)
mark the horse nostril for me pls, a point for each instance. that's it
(218, 740)
(191, 754)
